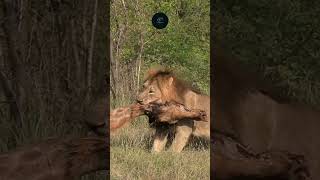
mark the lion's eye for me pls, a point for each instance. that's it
(145, 84)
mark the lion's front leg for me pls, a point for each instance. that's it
(183, 133)
(160, 139)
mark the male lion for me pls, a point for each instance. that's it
(160, 86)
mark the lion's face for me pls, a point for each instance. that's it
(150, 92)
(155, 90)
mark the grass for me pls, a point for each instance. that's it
(131, 157)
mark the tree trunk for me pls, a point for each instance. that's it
(93, 29)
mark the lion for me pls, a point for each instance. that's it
(162, 85)
(254, 112)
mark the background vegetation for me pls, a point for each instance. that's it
(52, 63)
(137, 45)
(183, 46)
(279, 38)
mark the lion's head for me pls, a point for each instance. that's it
(161, 85)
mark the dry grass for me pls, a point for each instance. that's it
(131, 157)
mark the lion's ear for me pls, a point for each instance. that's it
(170, 80)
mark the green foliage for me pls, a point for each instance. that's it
(183, 45)
(280, 37)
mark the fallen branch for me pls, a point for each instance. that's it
(123, 115)
(231, 160)
(169, 112)
(56, 159)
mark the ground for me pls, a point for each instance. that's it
(131, 157)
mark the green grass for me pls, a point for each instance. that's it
(131, 157)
